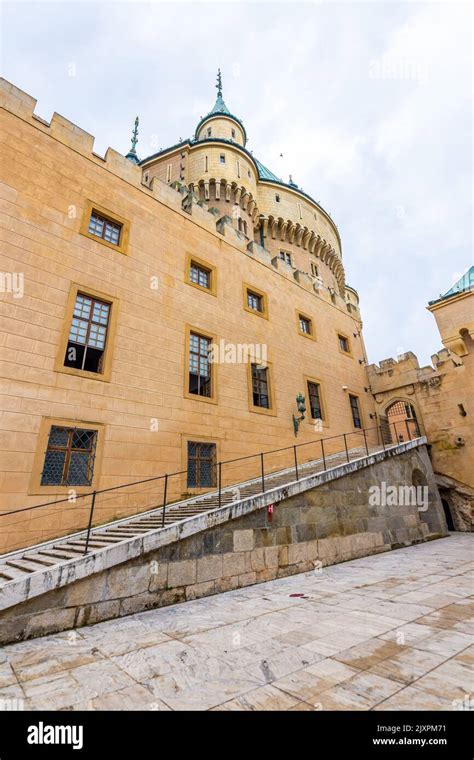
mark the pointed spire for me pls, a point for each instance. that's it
(219, 84)
(132, 153)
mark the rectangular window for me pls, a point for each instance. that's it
(356, 419)
(238, 169)
(254, 301)
(201, 465)
(222, 158)
(344, 343)
(88, 334)
(277, 198)
(314, 270)
(168, 173)
(209, 131)
(305, 325)
(69, 459)
(200, 378)
(233, 133)
(260, 386)
(104, 228)
(199, 275)
(315, 400)
(286, 257)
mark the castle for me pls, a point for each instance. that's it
(166, 314)
(121, 275)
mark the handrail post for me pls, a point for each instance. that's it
(90, 522)
(165, 493)
(219, 476)
(365, 440)
(262, 471)
(347, 450)
(296, 462)
(322, 452)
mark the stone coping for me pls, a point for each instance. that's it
(68, 571)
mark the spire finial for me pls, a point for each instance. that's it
(219, 84)
(132, 153)
(135, 135)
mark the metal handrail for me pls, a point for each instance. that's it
(261, 455)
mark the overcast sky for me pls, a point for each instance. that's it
(369, 103)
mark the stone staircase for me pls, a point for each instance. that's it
(22, 563)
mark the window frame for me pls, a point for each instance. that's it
(59, 366)
(271, 411)
(191, 259)
(322, 400)
(301, 315)
(212, 399)
(197, 438)
(35, 488)
(246, 287)
(90, 208)
(222, 158)
(213, 485)
(353, 394)
(340, 334)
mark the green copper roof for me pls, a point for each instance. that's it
(465, 283)
(220, 108)
(265, 173)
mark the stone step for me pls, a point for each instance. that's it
(24, 564)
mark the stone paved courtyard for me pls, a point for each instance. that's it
(393, 631)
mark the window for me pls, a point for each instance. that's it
(254, 301)
(104, 228)
(238, 169)
(168, 173)
(314, 270)
(260, 386)
(206, 164)
(356, 419)
(286, 257)
(343, 344)
(88, 334)
(305, 325)
(277, 198)
(314, 396)
(201, 472)
(200, 276)
(69, 459)
(233, 133)
(249, 173)
(200, 377)
(300, 213)
(209, 131)
(222, 158)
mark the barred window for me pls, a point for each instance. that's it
(199, 275)
(69, 459)
(254, 301)
(105, 228)
(201, 465)
(88, 334)
(354, 402)
(260, 386)
(200, 379)
(315, 401)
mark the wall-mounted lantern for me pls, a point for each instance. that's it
(301, 406)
